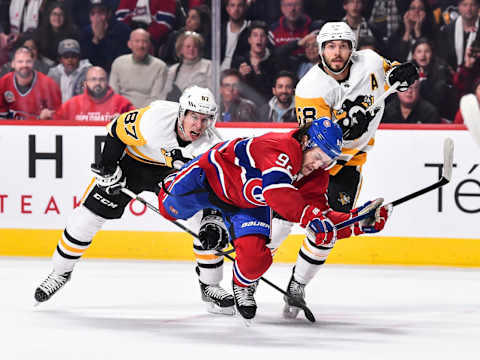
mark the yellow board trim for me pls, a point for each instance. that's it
(373, 250)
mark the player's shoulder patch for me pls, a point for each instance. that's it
(127, 127)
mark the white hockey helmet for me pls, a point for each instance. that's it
(197, 99)
(336, 31)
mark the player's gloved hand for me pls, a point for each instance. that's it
(111, 180)
(374, 223)
(213, 234)
(406, 73)
(319, 228)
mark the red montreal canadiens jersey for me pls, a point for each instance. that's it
(261, 171)
(43, 94)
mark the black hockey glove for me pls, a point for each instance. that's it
(213, 234)
(111, 180)
(406, 73)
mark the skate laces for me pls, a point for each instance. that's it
(296, 289)
(216, 292)
(54, 282)
(244, 295)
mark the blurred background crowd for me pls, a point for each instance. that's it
(92, 59)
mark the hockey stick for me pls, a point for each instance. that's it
(445, 179)
(382, 97)
(293, 302)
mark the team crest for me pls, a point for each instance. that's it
(9, 96)
(353, 117)
(343, 198)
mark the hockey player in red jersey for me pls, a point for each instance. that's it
(246, 178)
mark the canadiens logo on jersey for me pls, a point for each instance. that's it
(9, 96)
(354, 118)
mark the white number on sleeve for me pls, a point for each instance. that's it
(283, 160)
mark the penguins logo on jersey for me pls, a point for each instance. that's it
(353, 117)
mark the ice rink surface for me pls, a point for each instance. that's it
(152, 310)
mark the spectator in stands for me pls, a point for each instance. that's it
(192, 69)
(311, 57)
(460, 34)
(198, 21)
(281, 107)
(468, 72)
(26, 93)
(368, 42)
(410, 108)
(435, 78)
(233, 107)
(234, 34)
(257, 67)
(417, 22)
(155, 16)
(80, 10)
(24, 15)
(294, 24)
(97, 103)
(301, 63)
(55, 26)
(139, 76)
(104, 39)
(354, 18)
(40, 63)
(476, 90)
(385, 18)
(264, 10)
(71, 72)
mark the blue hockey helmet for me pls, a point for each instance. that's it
(327, 135)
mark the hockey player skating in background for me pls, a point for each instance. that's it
(143, 146)
(343, 85)
(246, 178)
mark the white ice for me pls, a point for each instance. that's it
(139, 310)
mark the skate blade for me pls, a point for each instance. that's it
(290, 312)
(215, 309)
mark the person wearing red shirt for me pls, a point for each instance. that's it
(26, 93)
(97, 103)
(156, 16)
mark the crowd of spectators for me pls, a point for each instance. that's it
(92, 59)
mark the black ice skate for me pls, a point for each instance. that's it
(244, 300)
(296, 291)
(51, 285)
(217, 299)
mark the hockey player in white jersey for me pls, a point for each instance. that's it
(342, 86)
(142, 147)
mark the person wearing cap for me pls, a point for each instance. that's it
(105, 38)
(139, 76)
(70, 73)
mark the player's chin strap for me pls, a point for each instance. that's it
(293, 301)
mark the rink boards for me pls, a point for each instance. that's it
(45, 171)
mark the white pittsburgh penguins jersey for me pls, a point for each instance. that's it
(318, 94)
(150, 136)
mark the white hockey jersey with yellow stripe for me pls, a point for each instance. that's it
(318, 94)
(150, 136)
